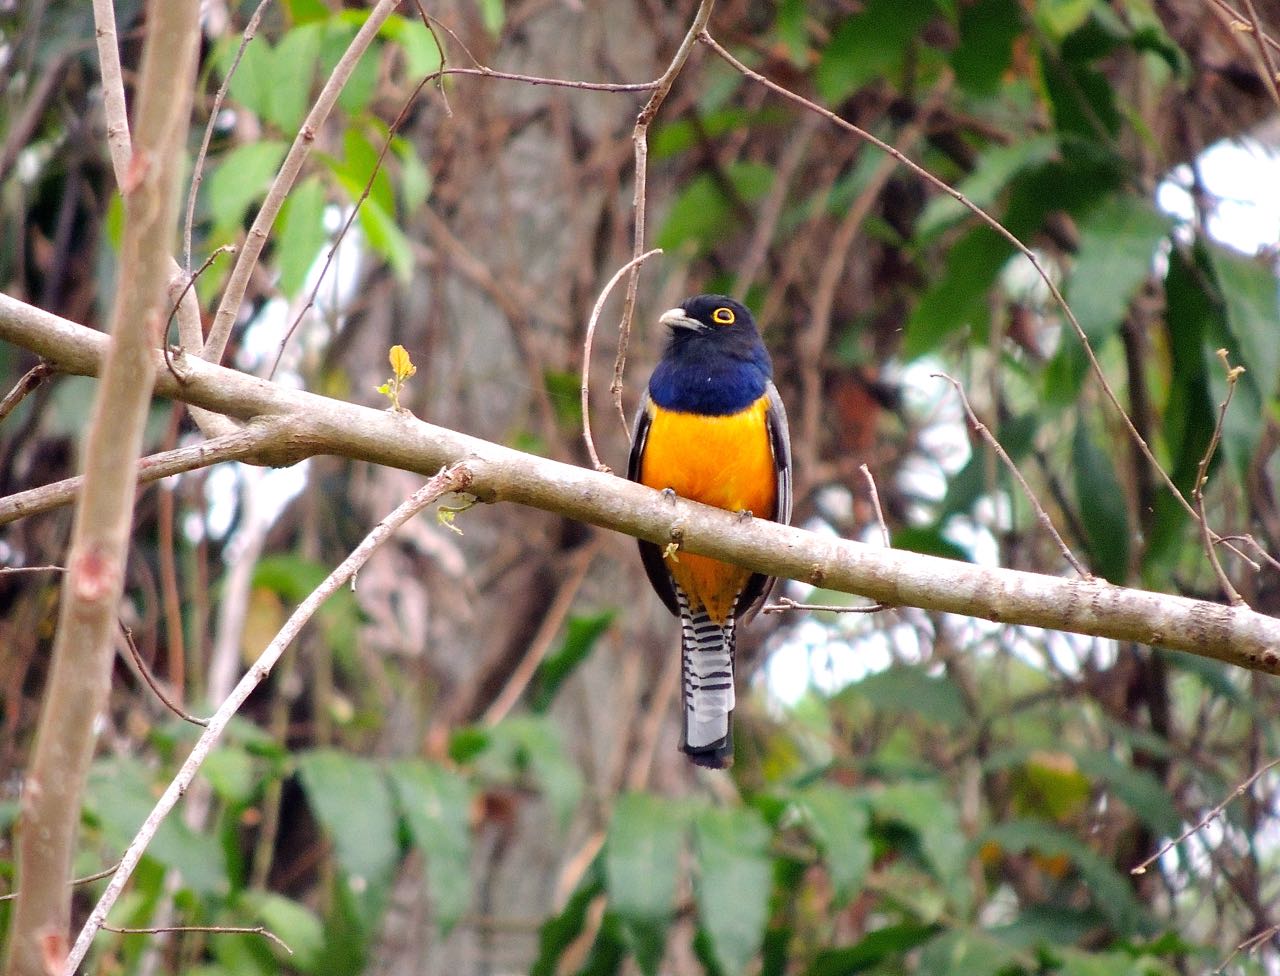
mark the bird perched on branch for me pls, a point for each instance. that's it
(711, 428)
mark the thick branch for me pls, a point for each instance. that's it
(80, 677)
(1236, 635)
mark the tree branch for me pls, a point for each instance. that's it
(80, 678)
(1237, 635)
(455, 478)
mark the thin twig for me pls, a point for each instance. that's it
(1202, 478)
(586, 352)
(995, 225)
(154, 685)
(1248, 945)
(1264, 52)
(429, 23)
(96, 876)
(875, 503)
(119, 141)
(455, 478)
(10, 570)
(1041, 515)
(1244, 24)
(640, 137)
(177, 302)
(215, 929)
(197, 169)
(785, 605)
(31, 379)
(1208, 818)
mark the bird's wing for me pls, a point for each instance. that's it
(650, 554)
(775, 419)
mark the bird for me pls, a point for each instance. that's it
(711, 428)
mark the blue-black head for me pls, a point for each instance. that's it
(715, 361)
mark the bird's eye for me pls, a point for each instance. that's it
(722, 316)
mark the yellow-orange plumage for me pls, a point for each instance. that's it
(725, 461)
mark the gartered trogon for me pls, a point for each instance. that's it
(711, 428)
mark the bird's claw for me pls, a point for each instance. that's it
(744, 515)
(670, 494)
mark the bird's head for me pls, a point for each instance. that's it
(709, 315)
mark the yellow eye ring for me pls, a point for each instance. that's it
(723, 316)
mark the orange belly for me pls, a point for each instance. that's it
(722, 461)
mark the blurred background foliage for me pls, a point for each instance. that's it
(468, 764)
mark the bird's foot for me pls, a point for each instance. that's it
(744, 515)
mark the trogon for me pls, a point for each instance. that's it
(711, 428)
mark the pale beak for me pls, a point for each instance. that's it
(677, 319)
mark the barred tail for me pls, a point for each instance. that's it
(707, 650)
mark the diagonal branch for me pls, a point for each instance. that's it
(456, 478)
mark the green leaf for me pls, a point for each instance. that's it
(1140, 790)
(987, 32)
(559, 932)
(992, 172)
(1250, 311)
(965, 953)
(702, 214)
(1060, 17)
(734, 883)
(682, 135)
(959, 298)
(379, 227)
(1077, 963)
(582, 635)
(296, 925)
(307, 11)
(792, 32)
(360, 165)
(839, 820)
(415, 180)
(869, 45)
(641, 861)
(436, 805)
(909, 688)
(1083, 100)
(253, 81)
(421, 53)
(302, 235)
(1102, 507)
(875, 948)
(1118, 241)
(293, 66)
(350, 799)
(241, 179)
(930, 813)
(532, 743)
(120, 795)
(928, 539)
(494, 15)
(1110, 892)
(230, 771)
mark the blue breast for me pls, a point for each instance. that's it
(708, 377)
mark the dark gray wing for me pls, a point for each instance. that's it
(775, 418)
(650, 554)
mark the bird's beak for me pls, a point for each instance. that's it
(677, 319)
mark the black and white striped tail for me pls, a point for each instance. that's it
(707, 651)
